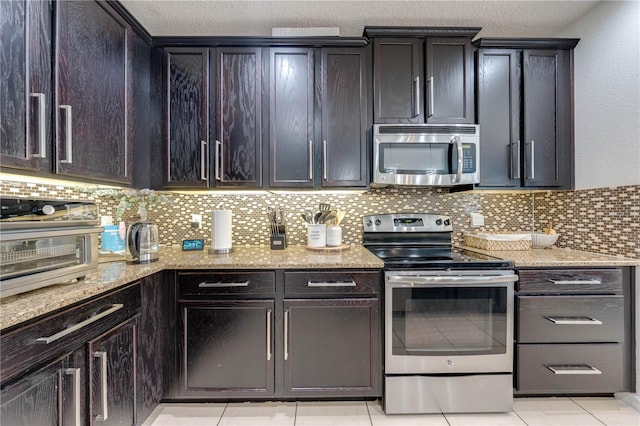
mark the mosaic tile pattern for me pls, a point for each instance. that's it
(603, 221)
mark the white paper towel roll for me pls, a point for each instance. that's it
(220, 229)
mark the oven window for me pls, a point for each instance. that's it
(449, 321)
(417, 158)
(26, 257)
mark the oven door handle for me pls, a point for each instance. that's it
(418, 280)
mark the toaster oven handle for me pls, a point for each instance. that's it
(456, 139)
(50, 339)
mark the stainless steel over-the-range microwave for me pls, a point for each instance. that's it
(426, 154)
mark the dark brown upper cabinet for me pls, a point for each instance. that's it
(291, 117)
(422, 74)
(94, 93)
(345, 118)
(238, 112)
(26, 92)
(525, 110)
(186, 112)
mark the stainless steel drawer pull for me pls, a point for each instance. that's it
(269, 335)
(573, 369)
(571, 282)
(286, 335)
(78, 326)
(42, 128)
(104, 385)
(574, 321)
(75, 375)
(205, 284)
(331, 284)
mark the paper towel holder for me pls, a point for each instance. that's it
(220, 250)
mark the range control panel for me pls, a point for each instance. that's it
(407, 222)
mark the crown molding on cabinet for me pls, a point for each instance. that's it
(526, 43)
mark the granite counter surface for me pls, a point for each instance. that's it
(114, 272)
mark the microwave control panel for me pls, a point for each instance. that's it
(469, 155)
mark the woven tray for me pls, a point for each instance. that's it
(501, 241)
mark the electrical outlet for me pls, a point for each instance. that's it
(196, 221)
(477, 220)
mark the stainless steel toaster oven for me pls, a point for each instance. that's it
(44, 242)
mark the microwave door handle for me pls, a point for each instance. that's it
(456, 139)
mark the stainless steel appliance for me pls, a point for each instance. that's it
(426, 154)
(142, 242)
(448, 329)
(45, 242)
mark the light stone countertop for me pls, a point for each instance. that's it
(116, 273)
(556, 257)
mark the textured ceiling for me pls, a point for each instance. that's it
(256, 18)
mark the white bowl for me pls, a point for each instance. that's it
(540, 240)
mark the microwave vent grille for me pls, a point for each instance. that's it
(445, 130)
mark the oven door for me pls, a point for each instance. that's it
(439, 322)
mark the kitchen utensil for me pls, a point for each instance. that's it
(324, 207)
(340, 214)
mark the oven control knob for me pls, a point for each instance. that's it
(447, 222)
(45, 210)
(368, 223)
(438, 221)
(378, 222)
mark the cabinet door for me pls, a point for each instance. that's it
(397, 80)
(545, 120)
(499, 75)
(34, 399)
(449, 80)
(238, 117)
(93, 80)
(227, 348)
(332, 347)
(344, 117)
(26, 91)
(112, 376)
(291, 117)
(187, 118)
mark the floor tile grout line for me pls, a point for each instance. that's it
(222, 414)
(368, 412)
(588, 411)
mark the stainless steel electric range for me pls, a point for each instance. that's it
(448, 329)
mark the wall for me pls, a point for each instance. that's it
(607, 95)
(601, 221)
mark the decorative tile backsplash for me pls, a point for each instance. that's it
(602, 221)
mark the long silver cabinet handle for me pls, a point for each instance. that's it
(573, 369)
(416, 104)
(532, 164)
(422, 280)
(102, 356)
(310, 160)
(68, 133)
(42, 129)
(203, 160)
(331, 284)
(269, 335)
(324, 159)
(574, 282)
(574, 320)
(432, 102)
(456, 139)
(75, 375)
(206, 284)
(59, 335)
(517, 158)
(286, 335)
(218, 160)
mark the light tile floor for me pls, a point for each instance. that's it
(527, 411)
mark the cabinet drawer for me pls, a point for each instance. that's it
(603, 281)
(54, 334)
(348, 282)
(594, 368)
(226, 283)
(565, 319)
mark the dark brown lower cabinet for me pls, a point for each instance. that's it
(112, 374)
(227, 348)
(330, 347)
